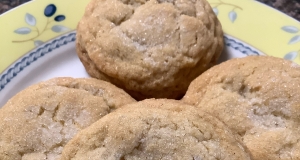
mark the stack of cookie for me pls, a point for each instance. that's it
(66, 118)
(145, 55)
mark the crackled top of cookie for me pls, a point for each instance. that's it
(257, 97)
(156, 129)
(150, 42)
(40, 120)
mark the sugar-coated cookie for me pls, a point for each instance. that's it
(150, 48)
(258, 97)
(156, 129)
(37, 122)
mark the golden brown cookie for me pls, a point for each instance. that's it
(259, 98)
(37, 122)
(156, 129)
(150, 48)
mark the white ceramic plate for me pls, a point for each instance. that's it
(42, 44)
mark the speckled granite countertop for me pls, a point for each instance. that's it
(290, 7)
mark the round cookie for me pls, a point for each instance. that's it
(150, 48)
(259, 98)
(37, 122)
(156, 129)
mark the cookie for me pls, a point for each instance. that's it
(258, 97)
(156, 129)
(150, 48)
(37, 122)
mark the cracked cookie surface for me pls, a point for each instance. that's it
(37, 122)
(259, 98)
(150, 48)
(156, 129)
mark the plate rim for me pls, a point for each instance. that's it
(21, 64)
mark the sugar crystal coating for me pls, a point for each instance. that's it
(258, 97)
(149, 48)
(156, 129)
(37, 122)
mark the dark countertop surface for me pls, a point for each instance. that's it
(290, 7)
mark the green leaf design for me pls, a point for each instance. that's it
(23, 30)
(30, 19)
(216, 11)
(59, 28)
(38, 43)
(295, 39)
(232, 16)
(290, 29)
(291, 55)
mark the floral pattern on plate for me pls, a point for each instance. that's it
(294, 40)
(31, 21)
(246, 20)
(232, 14)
